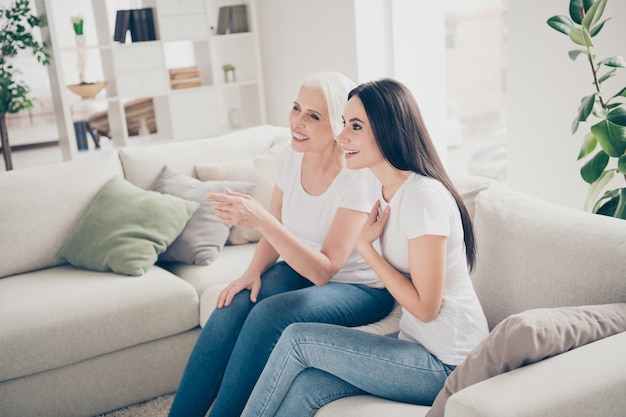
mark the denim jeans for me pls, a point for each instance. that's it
(314, 364)
(236, 341)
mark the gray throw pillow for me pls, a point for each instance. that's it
(204, 236)
(529, 337)
(125, 229)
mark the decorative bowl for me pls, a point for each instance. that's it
(87, 90)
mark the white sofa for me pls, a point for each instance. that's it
(75, 342)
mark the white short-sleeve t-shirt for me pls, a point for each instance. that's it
(309, 217)
(423, 206)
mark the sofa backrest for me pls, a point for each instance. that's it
(142, 164)
(532, 253)
(40, 206)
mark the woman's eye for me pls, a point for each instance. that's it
(356, 127)
(314, 116)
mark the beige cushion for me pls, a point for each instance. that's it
(64, 315)
(530, 337)
(143, 164)
(469, 187)
(369, 406)
(534, 254)
(40, 206)
(260, 169)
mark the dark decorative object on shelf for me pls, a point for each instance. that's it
(140, 23)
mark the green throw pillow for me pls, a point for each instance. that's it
(126, 228)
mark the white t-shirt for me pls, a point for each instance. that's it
(423, 206)
(309, 217)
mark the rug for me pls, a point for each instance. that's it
(156, 407)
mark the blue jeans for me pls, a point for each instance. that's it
(314, 364)
(236, 341)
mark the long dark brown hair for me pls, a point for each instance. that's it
(403, 139)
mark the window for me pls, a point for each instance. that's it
(476, 64)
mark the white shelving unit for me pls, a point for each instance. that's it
(186, 36)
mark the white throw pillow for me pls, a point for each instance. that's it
(261, 170)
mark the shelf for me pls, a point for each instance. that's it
(140, 70)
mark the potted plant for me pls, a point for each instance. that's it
(16, 33)
(607, 112)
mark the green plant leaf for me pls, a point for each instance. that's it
(592, 170)
(621, 164)
(608, 207)
(611, 132)
(575, 125)
(589, 145)
(576, 9)
(586, 106)
(616, 61)
(596, 29)
(594, 14)
(561, 23)
(621, 93)
(620, 211)
(608, 75)
(596, 188)
(574, 53)
(580, 36)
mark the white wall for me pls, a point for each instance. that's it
(299, 38)
(544, 90)
(364, 39)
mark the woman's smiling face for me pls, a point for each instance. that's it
(357, 137)
(309, 121)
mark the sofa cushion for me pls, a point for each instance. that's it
(143, 164)
(369, 406)
(529, 337)
(260, 169)
(469, 187)
(39, 207)
(534, 254)
(63, 315)
(228, 266)
(126, 228)
(204, 235)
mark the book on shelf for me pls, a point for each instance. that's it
(140, 23)
(187, 72)
(238, 19)
(185, 77)
(80, 130)
(222, 19)
(232, 19)
(122, 25)
(186, 83)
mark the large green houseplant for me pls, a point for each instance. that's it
(607, 112)
(16, 33)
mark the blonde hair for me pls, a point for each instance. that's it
(335, 86)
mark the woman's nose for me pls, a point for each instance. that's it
(342, 137)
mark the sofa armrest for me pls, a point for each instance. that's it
(587, 381)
